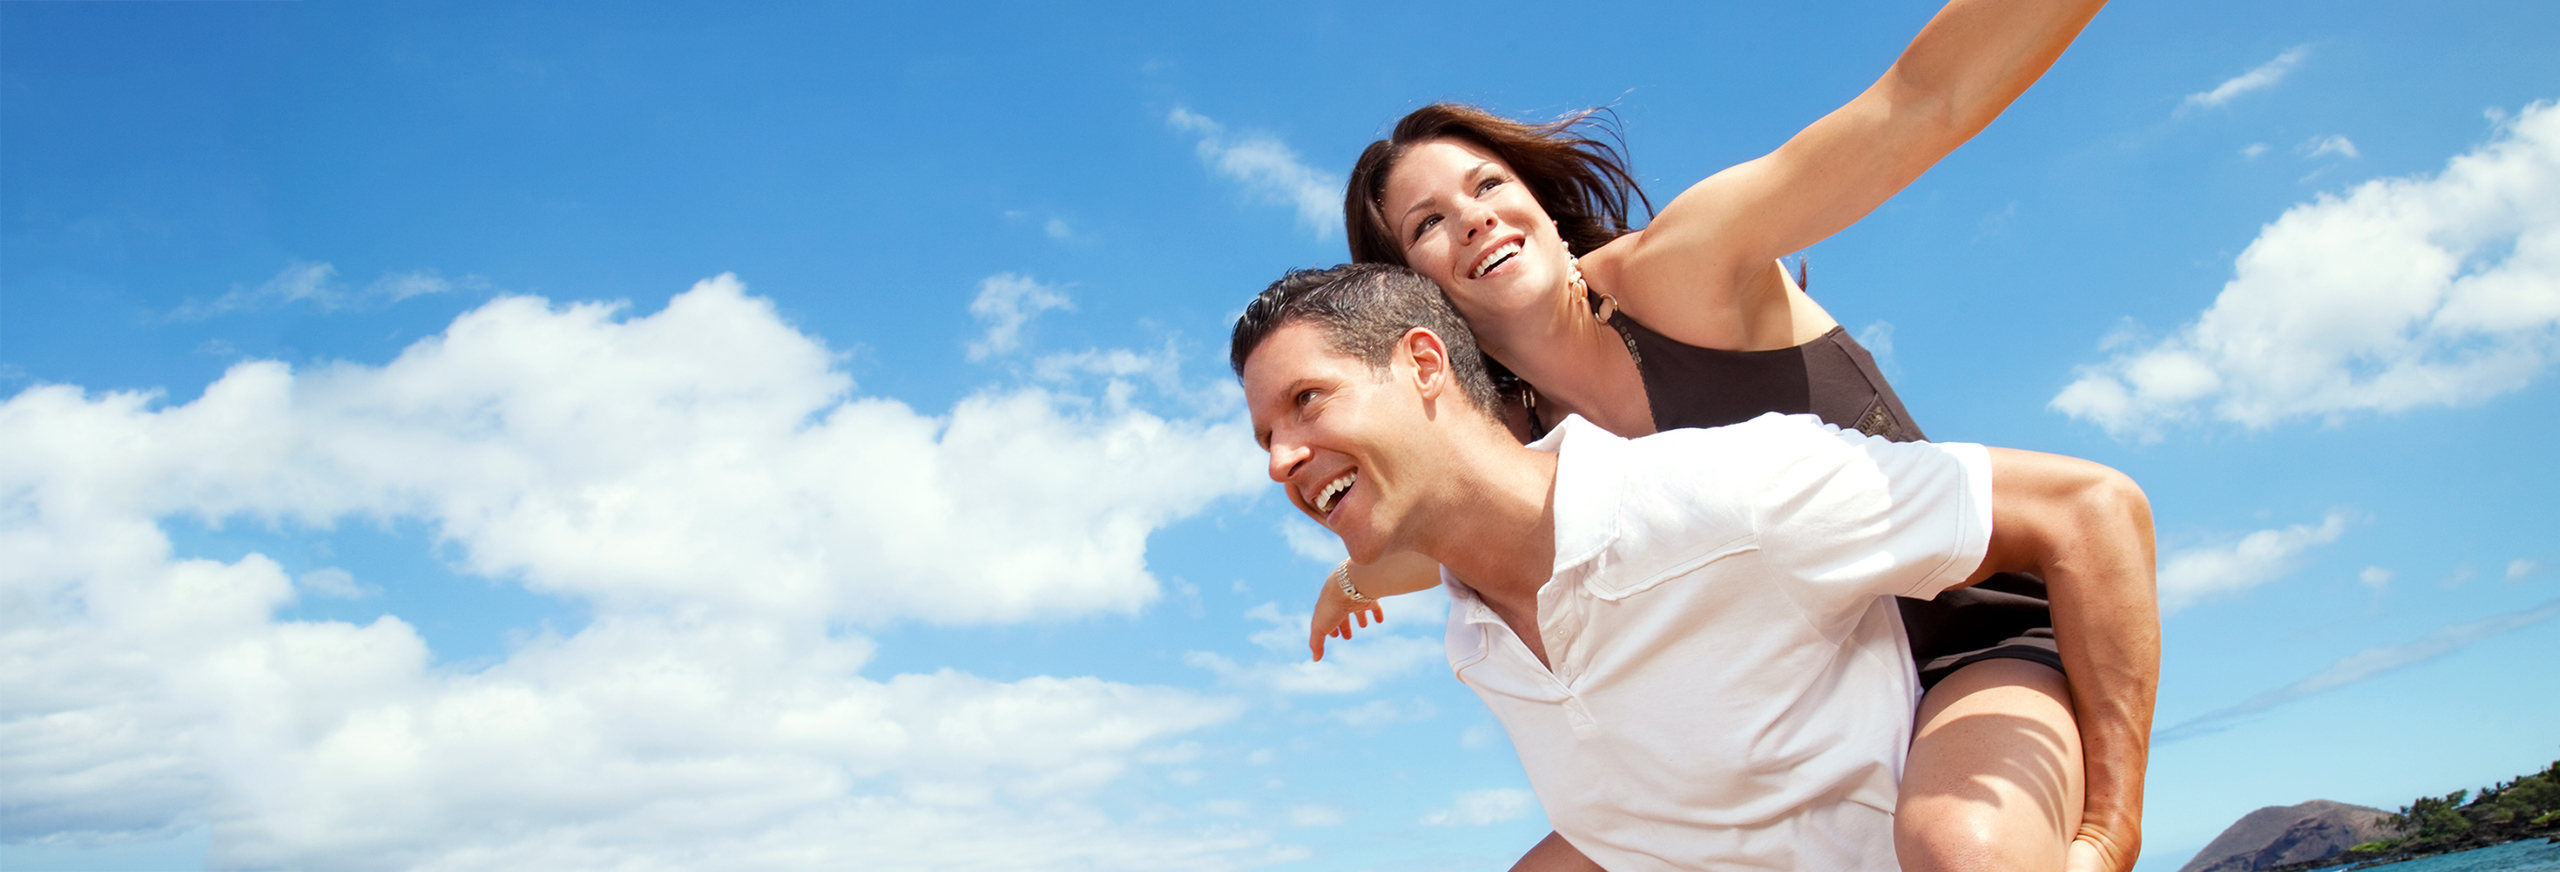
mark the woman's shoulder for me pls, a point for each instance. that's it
(1757, 309)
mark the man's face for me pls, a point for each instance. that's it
(1340, 435)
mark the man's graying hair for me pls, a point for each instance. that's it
(1363, 308)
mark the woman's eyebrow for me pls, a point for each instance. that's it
(1418, 205)
(1475, 172)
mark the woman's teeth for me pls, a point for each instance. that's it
(1333, 492)
(1495, 258)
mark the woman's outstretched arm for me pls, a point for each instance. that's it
(1721, 237)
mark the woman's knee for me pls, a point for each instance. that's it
(1993, 781)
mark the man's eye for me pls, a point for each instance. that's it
(1306, 396)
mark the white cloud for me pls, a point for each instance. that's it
(1006, 301)
(1124, 372)
(2318, 146)
(1379, 712)
(1311, 541)
(1476, 808)
(2375, 577)
(315, 284)
(2266, 75)
(1267, 169)
(2196, 574)
(2461, 574)
(1280, 633)
(1316, 816)
(1378, 655)
(1877, 339)
(2403, 293)
(2359, 666)
(1348, 667)
(2253, 150)
(702, 480)
(333, 583)
(2519, 568)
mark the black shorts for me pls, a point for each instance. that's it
(2004, 617)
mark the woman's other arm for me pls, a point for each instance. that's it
(1721, 237)
(2086, 529)
(1400, 573)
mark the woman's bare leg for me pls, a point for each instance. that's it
(1994, 779)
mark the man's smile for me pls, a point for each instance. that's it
(1331, 496)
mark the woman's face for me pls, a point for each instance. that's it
(1467, 222)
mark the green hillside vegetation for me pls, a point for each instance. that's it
(2526, 807)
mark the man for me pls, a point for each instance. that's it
(1686, 635)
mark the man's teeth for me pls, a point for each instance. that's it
(1495, 258)
(1332, 492)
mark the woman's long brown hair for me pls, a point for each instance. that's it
(1580, 179)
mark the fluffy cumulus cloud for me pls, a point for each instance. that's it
(704, 481)
(1006, 302)
(1267, 169)
(2402, 293)
(2196, 574)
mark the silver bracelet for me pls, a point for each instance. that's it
(1342, 576)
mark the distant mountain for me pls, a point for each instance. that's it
(2282, 834)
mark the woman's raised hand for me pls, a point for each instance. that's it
(1335, 612)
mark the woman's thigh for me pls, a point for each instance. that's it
(1994, 777)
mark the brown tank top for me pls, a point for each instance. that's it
(1831, 377)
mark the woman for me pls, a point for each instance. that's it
(1692, 322)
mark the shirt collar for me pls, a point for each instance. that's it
(1590, 471)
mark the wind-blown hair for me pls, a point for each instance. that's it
(1579, 179)
(1363, 309)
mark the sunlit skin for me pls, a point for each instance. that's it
(1443, 478)
(1432, 470)
(1317, 414)
(1460, 211)
(1704, 272)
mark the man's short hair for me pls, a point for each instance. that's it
(1363, 309)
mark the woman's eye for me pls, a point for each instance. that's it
(1425, 226)
(1488, 184)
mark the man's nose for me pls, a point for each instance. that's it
(1286, 457)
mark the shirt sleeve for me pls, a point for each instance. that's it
(1847, 517)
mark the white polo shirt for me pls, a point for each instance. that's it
(1731, 688)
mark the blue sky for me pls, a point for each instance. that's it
(567, 435)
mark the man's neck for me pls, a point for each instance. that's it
(1495, 524)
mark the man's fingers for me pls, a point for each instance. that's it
(2088, 855)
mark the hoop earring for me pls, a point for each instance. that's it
(1580, 290)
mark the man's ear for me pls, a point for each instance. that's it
(1422, 349)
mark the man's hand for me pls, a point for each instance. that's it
(2099, 851)
(2086, 530)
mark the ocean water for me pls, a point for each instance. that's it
(2530, 855)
